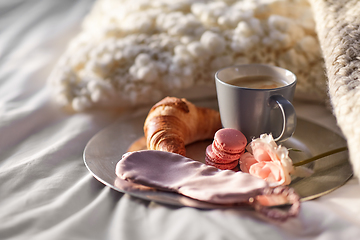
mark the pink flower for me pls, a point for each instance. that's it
(268, 161)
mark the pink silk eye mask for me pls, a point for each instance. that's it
(173, 172)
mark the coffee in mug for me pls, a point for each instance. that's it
(258, 82)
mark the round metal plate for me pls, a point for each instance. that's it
(106, 148)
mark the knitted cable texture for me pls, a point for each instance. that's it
(338, 28)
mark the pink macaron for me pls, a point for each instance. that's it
(230, 140)
(226, 149)
(220, 157)
(222, 166)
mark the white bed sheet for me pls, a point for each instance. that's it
(46, 192)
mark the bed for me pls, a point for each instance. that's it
(48, 192)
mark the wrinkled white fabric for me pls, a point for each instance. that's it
(46, 191)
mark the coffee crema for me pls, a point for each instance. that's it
(258, 82)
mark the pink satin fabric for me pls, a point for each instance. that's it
(173, 172)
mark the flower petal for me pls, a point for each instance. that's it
(246, 161)
(261, 154)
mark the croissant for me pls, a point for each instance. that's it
(173, 123)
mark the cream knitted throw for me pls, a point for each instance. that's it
(135, 52)
(338, 27)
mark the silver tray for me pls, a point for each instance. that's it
(106, 148)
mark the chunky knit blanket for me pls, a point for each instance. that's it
(338, 28)
(135, 52)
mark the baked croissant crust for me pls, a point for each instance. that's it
(173, 123)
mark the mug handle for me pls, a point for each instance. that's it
(288, 116)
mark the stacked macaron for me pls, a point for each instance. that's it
(226, 149)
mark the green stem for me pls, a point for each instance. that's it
(319, 156)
